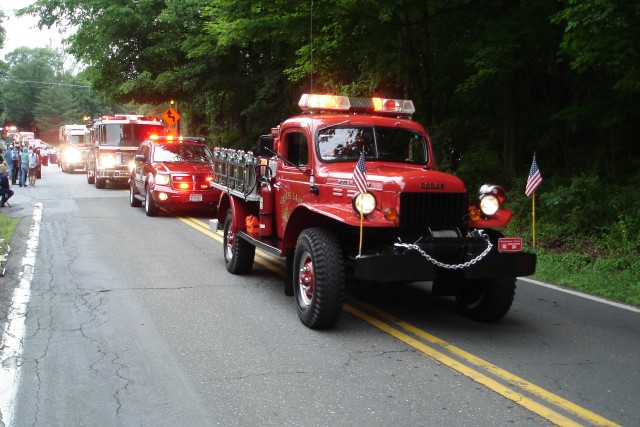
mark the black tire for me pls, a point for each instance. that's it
(487, 300)
(90, 178)
(318, 278)
(71, 169)
(150, 207)
(238, 253)
(135, 203)
(100, 183)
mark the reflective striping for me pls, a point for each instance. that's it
(12, 338)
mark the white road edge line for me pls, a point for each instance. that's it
(583, 295)
(13, 333)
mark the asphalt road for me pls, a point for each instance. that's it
(114, 318)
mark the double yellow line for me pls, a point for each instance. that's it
(552, 407)
(504, 383)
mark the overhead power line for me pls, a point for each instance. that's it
(45, 83)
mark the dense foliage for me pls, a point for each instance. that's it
(39, 95)
(497, 79)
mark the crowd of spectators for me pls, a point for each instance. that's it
(21, 163)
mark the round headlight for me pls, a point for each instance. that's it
(489, 204)
(364, 203)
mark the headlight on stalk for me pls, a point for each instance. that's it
(364, 203)
(490, 198)
(162, 179)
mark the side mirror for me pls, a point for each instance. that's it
(454, 162)
(266, 146)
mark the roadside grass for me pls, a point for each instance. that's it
(7, 226)
(609, 277)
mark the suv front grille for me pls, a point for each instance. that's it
(191, 182)
(436, 211)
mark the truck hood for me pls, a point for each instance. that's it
(184, 167)
(398, 178)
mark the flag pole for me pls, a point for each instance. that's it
(360, 244)
(533, 217)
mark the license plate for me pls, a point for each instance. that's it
(510, 244)
(195, 197)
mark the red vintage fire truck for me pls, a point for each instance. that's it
(349, 190)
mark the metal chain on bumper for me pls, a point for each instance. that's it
(451, 266)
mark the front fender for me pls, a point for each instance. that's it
(240, 209)
(500, 219)
(305, 216)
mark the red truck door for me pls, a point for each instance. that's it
(292, 183)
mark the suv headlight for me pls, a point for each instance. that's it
(163, 179)
(490, 198)
(364, 203)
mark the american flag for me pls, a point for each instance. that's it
(535, 178)
(360, 174)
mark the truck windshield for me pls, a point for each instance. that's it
(383, 143)
(128, 134)
(182, 153)
(77, 139)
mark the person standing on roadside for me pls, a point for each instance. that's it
(24, 167)
(16, 164)
(33, 167)
(40, 159)
(10, 163)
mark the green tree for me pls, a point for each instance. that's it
(600, 42)
(489, 77)
(30, 71)
(54, 107)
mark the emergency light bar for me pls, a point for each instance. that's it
(336, 103)
(324, 102)
(130, 117)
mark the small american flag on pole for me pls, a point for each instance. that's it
(535, 178)
(360, 174)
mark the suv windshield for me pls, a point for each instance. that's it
(182, 153)
(129, 134)
(382, 143)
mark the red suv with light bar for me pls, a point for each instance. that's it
(172, 172)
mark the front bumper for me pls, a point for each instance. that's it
(185, 199)
(120, 175)
(76, 165)
(411, 266)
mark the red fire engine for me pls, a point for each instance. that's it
(113, 144)
(348, 190)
